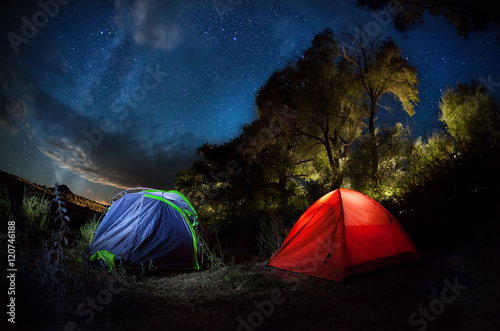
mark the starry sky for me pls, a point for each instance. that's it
(107, 95)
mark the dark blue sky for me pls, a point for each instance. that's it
(113, 94)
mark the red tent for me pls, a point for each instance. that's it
(344, 233)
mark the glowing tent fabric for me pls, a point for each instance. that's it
(344, 233)
(150, 225)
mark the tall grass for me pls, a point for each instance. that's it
(5, 204)
(88, 230)
(213, 253)
(35, 211)
(272, 234)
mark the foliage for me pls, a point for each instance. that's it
(209, 182)
(471, 116)
(381, 69)
(272, 234)
(393, 149)
(5, 204)
(429, 161)
(467, 15)
(318, 100)
(310, 137)
(48, 279)
(89, 229)
(63, 229)
(35, 211)
(214, 254)
(241, 176)
(52, 269)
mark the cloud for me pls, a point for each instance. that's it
(67, 155)
(119, 162)
(133, 154)
(12, 112)
(156, 24)
(22, 103)
(119, 158)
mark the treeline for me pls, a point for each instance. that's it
(316, 131)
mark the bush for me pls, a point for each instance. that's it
(272, 234)
(471, 117)
(35, 211)
(5, 204)
(377, 165)
(89, 229)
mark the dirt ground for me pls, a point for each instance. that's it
(456, 290)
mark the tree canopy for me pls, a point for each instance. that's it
(315, 131)
(325, 100)
(380, 68)
(309, 116)
(467, 16)
(470, 115)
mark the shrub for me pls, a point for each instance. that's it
(213, 253)
(89, 229)
(5, 204)
(35, 211)
(272, 234)
(471, 117)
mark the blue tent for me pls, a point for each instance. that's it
(145, 225)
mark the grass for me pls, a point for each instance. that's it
(35, 211)
(381, 300)
(228, 294)
(89, 229)
(5, 204)
(272, 234)
(221, 297)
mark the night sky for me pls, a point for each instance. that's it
(107, 95)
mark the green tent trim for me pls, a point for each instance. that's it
(190, 217)
(186, 218)
(107, 257)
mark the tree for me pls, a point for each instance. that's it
(471, 116)
(394, 153)
(381, 69)
(207, 182)
(467, 15)
(281, 156)
(254, 172)
(320, 99)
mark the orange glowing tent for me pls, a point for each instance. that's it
(344, 233)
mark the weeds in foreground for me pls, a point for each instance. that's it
(215, 258)
(272, 234)
(88, 230)
(149, 268)
(35, 210)
(42, 261)
(56, 287)
(62, 218)
(5, 204)
(214, 255)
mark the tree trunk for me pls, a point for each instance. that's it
(328, 148)
(333, 160)
(374, 169)
(371, 121)
(371, 128)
